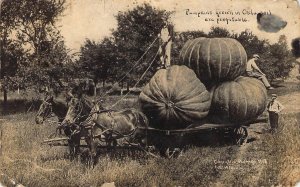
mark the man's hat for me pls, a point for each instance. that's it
(274, 95)
(256, 55)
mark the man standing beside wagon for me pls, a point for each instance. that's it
(274, 107)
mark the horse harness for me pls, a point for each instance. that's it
(48, 105)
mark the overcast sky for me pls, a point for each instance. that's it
(94, 19)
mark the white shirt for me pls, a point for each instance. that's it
(251, 65)
(275, 106)
(164, 35)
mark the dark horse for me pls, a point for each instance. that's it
(57, 106)
(51, 105)
(77, 112)
(112, 125)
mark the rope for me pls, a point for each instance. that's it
(135, 64)
(142, 76)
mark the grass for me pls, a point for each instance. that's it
(285, 148)
(32, 164)
(273, 159)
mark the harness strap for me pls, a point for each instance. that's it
(116, 132)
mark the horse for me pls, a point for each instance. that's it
(77, 112)
(51, 105)
(100, 122)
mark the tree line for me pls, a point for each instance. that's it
(33, 52)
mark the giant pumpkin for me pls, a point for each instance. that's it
(174, 98)
(214, 59)
(238, 101)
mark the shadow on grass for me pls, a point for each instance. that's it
(284, 88)
(18, 106)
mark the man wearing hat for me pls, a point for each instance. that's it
(165, 40)
(274, 107)
(253, 70)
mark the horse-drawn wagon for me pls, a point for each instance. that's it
(179, 105)
(141, 136)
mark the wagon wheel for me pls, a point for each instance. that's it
(170, 152)
(240, 135)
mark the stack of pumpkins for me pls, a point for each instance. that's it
(175, 97)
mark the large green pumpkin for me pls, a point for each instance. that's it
(238, 101)
(214, 59)
(174, 98)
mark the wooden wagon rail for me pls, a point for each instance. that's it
(192, 128)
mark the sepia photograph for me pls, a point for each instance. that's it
(113, 93)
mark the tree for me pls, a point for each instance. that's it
(219, 32)
(136, 30)
(282, 58)
(251, 43)
(98, 59)
(296, 47)
(37, 23)
(29, 26)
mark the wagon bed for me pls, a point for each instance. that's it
(170, 141)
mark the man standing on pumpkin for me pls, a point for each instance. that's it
(274, 107)
(165, 42)
(253, 70)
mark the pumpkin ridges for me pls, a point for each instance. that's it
(249, 81)
(245, 98)
(238, 100)
(154, 86)
(228, 89)
(259, 85)
(246, 105)
(181, 94)
(204, 105)
(254, 84)
(171, 83)
(233, 70)
(214, 59)
(161, 81)
(193, 107)
(220, 63)
(208, 58)
(217, 96)
(200, 97)
(191, 51)
(230, 60)
(185, 50)
(195, 57)
(239, 109)
(192, 93)
(241, 57)
(214, 55)
(202, 56)
(165, 112)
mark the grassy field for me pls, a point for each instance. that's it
(268, 159)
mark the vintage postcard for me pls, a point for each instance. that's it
(150, 93)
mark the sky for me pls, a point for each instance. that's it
(94, 19)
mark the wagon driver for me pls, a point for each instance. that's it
(274, 107)
(253, 70)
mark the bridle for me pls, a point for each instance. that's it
(43, 110)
